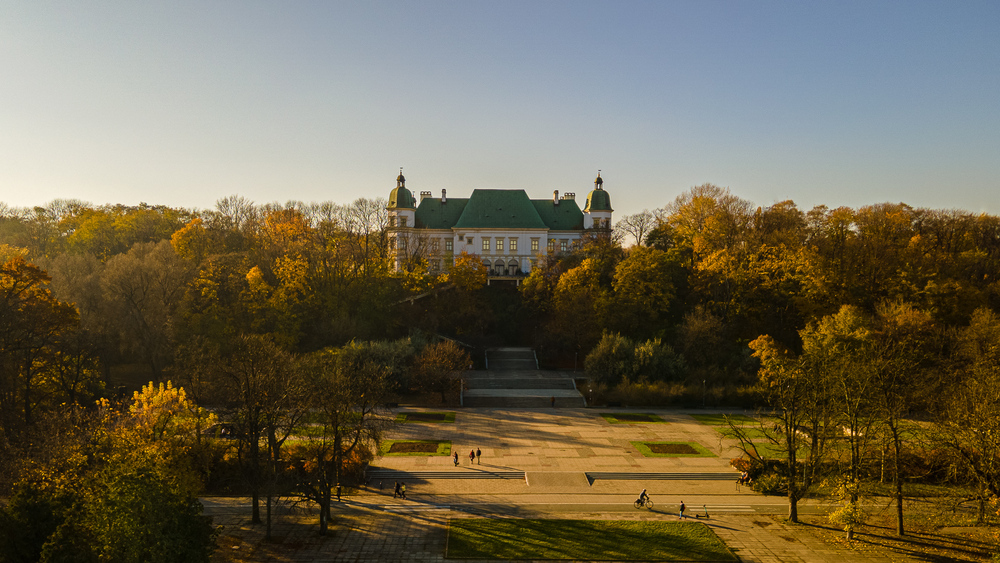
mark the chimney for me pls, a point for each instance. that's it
(424, 194)
(555, 197)
(444, 196)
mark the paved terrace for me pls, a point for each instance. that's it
(548, 463)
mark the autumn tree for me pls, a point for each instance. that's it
(264, 400)
(144, 288)
(796, 419)
(438, 365)
(350, 387)
(31, 321)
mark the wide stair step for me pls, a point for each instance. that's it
(626, 476)
(519, 383)
(457, 473)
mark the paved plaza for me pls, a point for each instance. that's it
(544, 463)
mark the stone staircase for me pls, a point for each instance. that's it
(512, 380)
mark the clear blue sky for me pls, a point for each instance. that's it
(182, 103)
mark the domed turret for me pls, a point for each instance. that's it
(598, 199)
(401, 198)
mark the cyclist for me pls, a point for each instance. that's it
(643, 498)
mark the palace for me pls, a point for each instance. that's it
(505, 228)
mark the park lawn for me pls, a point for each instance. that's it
(718, 419)
(583, 540)
(425, 417)
(632, 418)
(672, 449)
(425, 447)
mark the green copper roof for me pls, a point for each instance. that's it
(432, 214)
(598, 200)
(563, 217)
(401, 198)
(500, 209)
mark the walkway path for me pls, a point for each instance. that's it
(551, 463)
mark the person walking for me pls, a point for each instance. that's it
(456, 459)
(472, 456)
(395, 490)
(682, 510)
(338, 492)
(402, 490)
(479, 456)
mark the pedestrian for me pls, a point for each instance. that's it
(395, 490)
(479, 458)
(380, 486)
(456, 459)
(402, 490)
(338, 492)
(682, 510)
(553, 402)
(472, 456)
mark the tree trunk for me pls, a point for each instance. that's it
(324, 511)
(899, 486)
(267, 528)
(255, 508)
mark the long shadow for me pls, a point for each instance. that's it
(915, 544)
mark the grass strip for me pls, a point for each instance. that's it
(632, 418)
(438, 447)
(685, 449)
(583, 540)
(719, 419)
(426, 417)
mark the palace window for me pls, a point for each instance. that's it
(402, 221)
(552, 245)
(513, 245)
(563, 245)
(436, 245)
(449, 246)
(500, 244)
(534, 245)
(486, 243)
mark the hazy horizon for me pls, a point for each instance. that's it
(184, 103)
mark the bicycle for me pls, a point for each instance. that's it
(648, 503)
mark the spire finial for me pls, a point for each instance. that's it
(400, 180)
(598, 182)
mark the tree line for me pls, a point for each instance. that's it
(257, 310)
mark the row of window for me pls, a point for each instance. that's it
(449, 245)
(512, 245)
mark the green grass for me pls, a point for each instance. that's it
(632, 418)
(586, 540)
(310, 431)
(644, 449)
(719, 419)
(409, 417)
(443, 447)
